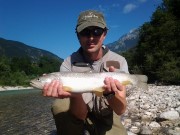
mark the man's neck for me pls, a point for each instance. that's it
(94, 56)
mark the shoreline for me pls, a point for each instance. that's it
(7, 88)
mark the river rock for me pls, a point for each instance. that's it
(154, 126)
(135, 129)
(145, 130)
(153, 111)
(170, 115)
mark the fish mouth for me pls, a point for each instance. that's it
(36, 85)
(32, 84)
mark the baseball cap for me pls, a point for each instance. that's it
(90, 18)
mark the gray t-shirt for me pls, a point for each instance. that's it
(95, 104)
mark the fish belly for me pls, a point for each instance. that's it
(82, 84)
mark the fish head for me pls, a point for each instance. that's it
(39, 82)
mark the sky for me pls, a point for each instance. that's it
(50, 24)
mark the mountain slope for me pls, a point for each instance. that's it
(125, 42)
(12, 48)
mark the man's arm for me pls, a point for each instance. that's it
(77, 106)
(118, 103)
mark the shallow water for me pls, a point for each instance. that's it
(25, 112)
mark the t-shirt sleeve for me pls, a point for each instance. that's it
(66, 65)
(124, 66)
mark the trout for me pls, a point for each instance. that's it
(89, 82)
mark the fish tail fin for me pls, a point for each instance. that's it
(142, 85)
(142, 82)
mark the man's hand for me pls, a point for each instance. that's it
(113, 85)
(55, 89)
(77, 106)
(119, 103)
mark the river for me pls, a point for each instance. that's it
(25, 112)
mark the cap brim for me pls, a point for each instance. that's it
(88, 24)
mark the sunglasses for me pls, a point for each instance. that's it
(95, 32)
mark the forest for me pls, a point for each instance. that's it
(20, 70)
(158, 52)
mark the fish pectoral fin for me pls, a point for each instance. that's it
(99, 91)
(126, 82)
(67, 88)
(99, 94)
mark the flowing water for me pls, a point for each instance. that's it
(25, 112)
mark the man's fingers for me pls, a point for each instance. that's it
(50, 88)
(119, 85)
(107, 84)
(113, 85)
(55, 89)
(121, 88)
(54, 92)
(112, 69)
(45, 89)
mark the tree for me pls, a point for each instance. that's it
(158, 53)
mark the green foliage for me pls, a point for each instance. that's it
(20, 70)
(158, 53)
(21, 64)
(15, 78)
(169, 72)
(47, 65)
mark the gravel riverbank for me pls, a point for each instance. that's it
(153, 112)
(150, 112)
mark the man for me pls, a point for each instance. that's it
(86, 113)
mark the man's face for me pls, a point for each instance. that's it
(91, 39)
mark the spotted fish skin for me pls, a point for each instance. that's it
(88, 82)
